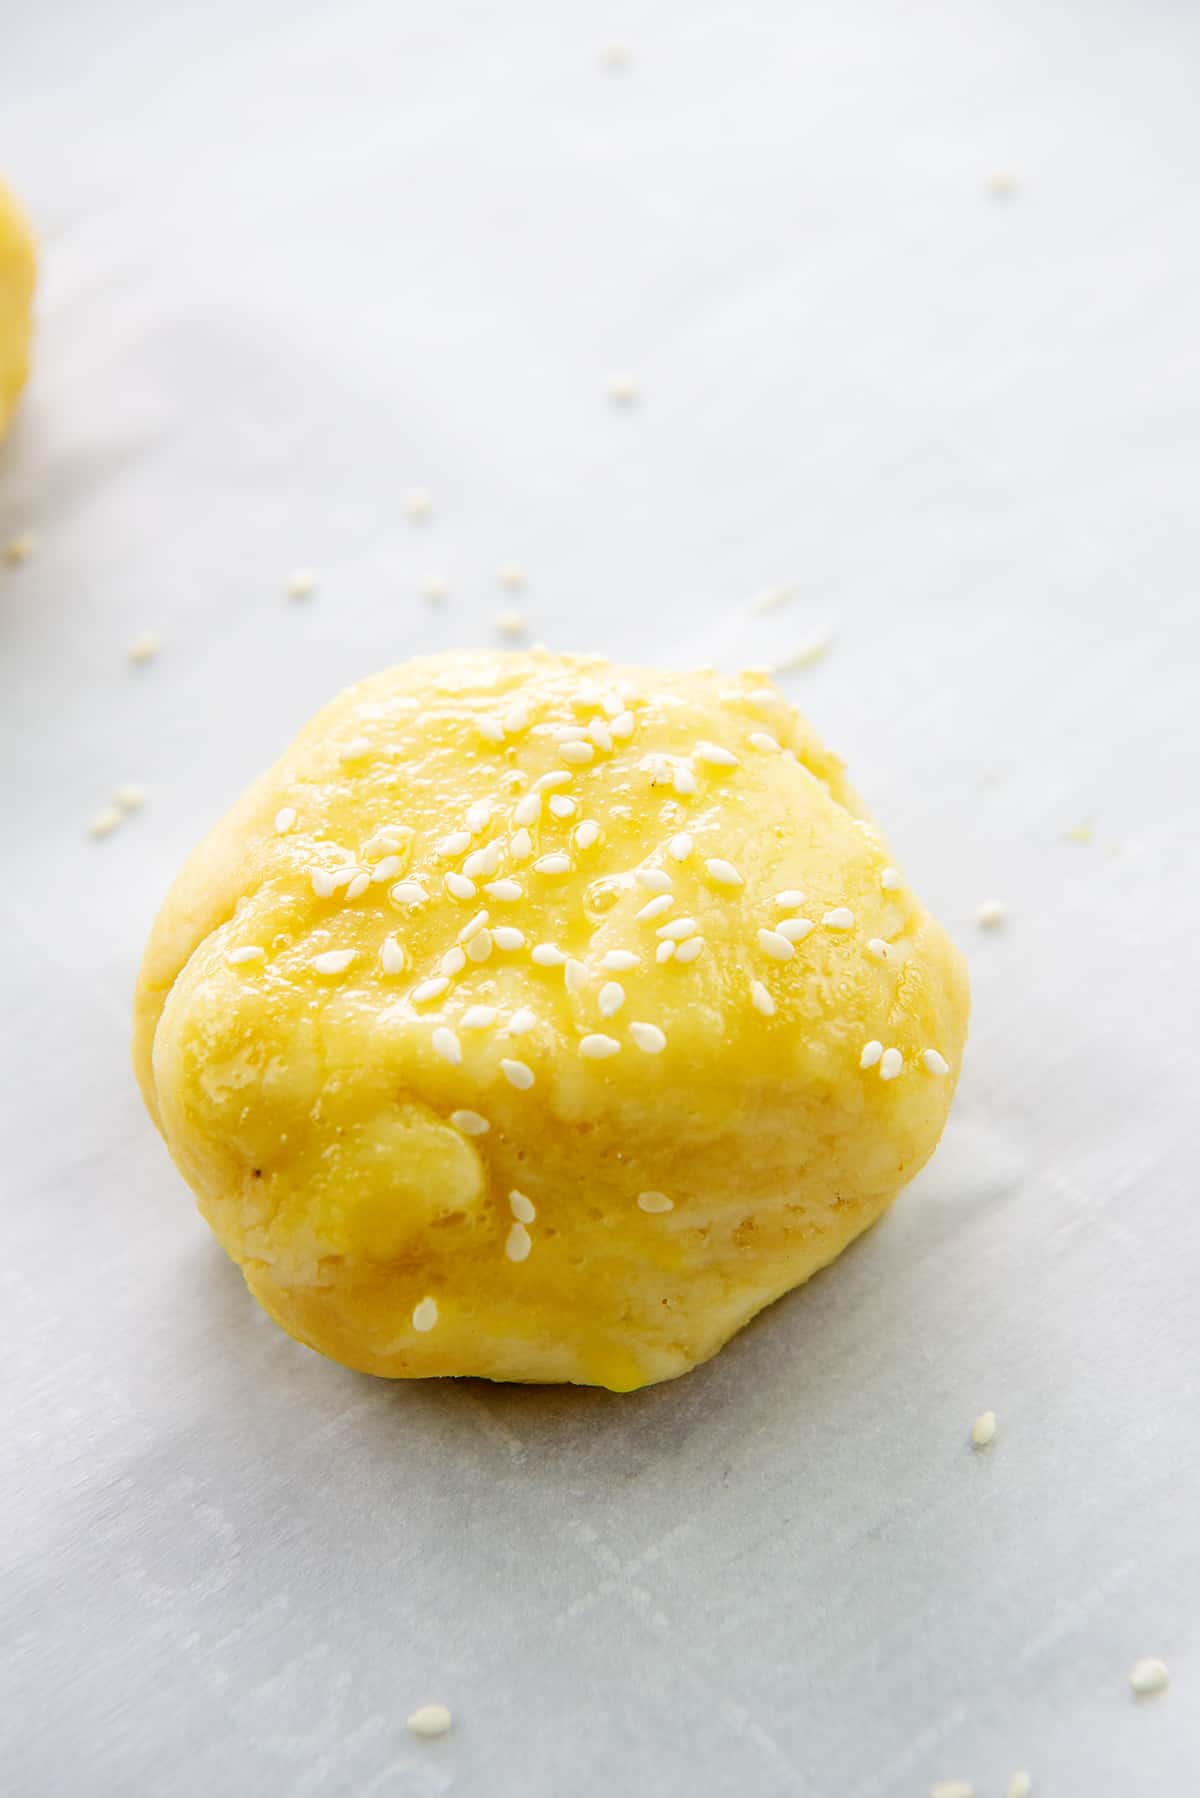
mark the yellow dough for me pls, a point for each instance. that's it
(411, 1028)
(17, 266)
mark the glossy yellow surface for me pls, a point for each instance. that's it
(17, 269)
(315, 1118)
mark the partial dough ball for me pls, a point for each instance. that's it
(543, 1019)
(17, 267)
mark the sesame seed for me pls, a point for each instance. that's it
(1020, 1785)
(562, 806)
(623, 390)
(522, 1208)
(622, 726)
(455, 844)
(773, 598)
(654, 908)
(597, 1047)
(655, 1202)
(952, 1788)
(872, 1052)
(472, 925)
(557, 777)
(386, 841)
(840, 918)
(665, 952)
(477, 816)
(891, 1064)
(547, 955)
(355, 749)
(600, 734)
(285, 819)
(358, 886)
(1148, 1676)
(807, 655)
(616, 58)
(391, 956)
(889, 880)
(683, 780)
(776, 946)
(520, 846)
(333, 961)
(300, 583)
(429, 1720)
(723, 872)
(409, 892)
(528, 809)
(19, 549)
(511, 622)
(482, 862)
(238, 958)
(321, 882)
(511, 576)
(678, 929)
(935, 1063)
(680, 847)
(470, 1123)
(648, 1038)
(490, 729)
(504, 890)
(789, 898)
(517, 1074)
(478, 1017)
(611, 998)
(453, 962)
(518, 1243)
(586, 832)
(687, 952)
(574, 974)
(459, 887)
(425, 990)
(522, 1021)
(991, 914)
(436, 589)
(386, 870)
(480, 946)
(1001, 186)
(983, 1429)
(425, 1315)
(714, 755)
(761, 999)
(555, 863)
(516, 719)
(878, 948)
(144, 648)
(417, 505)
(762, 739)
(446, 1044)
(655, 880)
(506, 936)
(795, 929)
(618, 961)
(577, 753)
(105, 822)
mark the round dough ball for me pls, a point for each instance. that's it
(542, 1019)
(17, 265)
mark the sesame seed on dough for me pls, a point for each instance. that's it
(427, 990)
(425, 1315)
(761, 999)
(622, 725)
(678, 929)
(459, 887)
(508, 937)
(478, 1017)
(619, 961)
(520, 846)
(689, 950)
(610, 998)
(723, 872)
(472, 926)
(554, 863)
(891, 1064)
(680, 847)
(409, 892)
(889, 880)
(762, 739)
(429, 1720)
(577, 752)
(483, 862)
(562, 805)
(683, 780)
(600, 734)
(574, 974)
(655, 1202)
(386, 870)
(470, 1123)
(522, 1021)
(878, 948)
(238, 958)
(333, 961)
(795, 929)
(872, 1052)
(655, 880)
(453, 962)
(518, 1243)
(935, 1063)
(490, 729)
(516, 719)
(789, 898)
(654, 908)
(665, 952)
(648, 1038)
(477, 816)
(506, 891)
(446, 1044)
(586, 833)
(518, 1074)
(1149, 1676)
(555, 777)
(301, 583)
(454, 844)
(840, 918)
(391, 956)
(776, 946)
(358, 886)
(598, 1047)
(285, 819)
(522, 1207)
(528, 809)
(715, 755)
(480, 946)
(983, 1430)
(547, 955)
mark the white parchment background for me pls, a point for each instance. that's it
(298, 258)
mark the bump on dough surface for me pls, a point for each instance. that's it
(17, 269)
(311, 1113)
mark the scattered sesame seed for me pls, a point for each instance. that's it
(285, 819)
(478, 1017)
(1001, 185)
(983, 1429)
(683, 780)
(622, 726)
(654, 908)
(586, 833)
(577, 752)
(891, 1064)
(386, 870)
(806, 656)
(470, 1123)
(773, 598)
(555, 863)
(528, 809)
(723, 872)
(547, 955)
(425, 1315)
(333, 961)
(436, 589)
(789, 898)
(522, 1021)
(597, 1047)
(889, 880)
(520, 846)
(776, 946)
(459, 887)
(456, 843)
(429, 1720)
(562, 806)
(490, 729)
(417, 505)
(600, 734)
(761, 999)
(840, 918)
(688, 951)
(762, 739)
(425, 990)
(556, 777)
(623, 390)
(655, 1202)
(665, 952)
(506, 891)
(391, 956)
(507, 937)
(321, 882)
(1079, 833)
(238, 958)
(618, 961)
(357, 887)
(453, 962)
(301, 583)
(680, 847)
(482, 862)
(130, 797)
(522, 1208)
(409, 892)
(616, 58)
(446, 1044)
(1020, 1785)
(518, 1243)
(991, 914)
(678, 929)
(1149, 1676)
(574, 974)
(655, 880)
(714, 755)
(472, 925)
(795, 929)
(516, 719)
(517, 1074)
(611, 998)
(648, 1038)
(872, 1052)
(511, 623)
(145, 647)
(935, 1063)
(511, 576)
(19, 549)
(477, 816)
(480, 946)
(878, 948)
(952, 1788)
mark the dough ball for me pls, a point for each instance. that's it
(16, 302)
(543, 1019)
